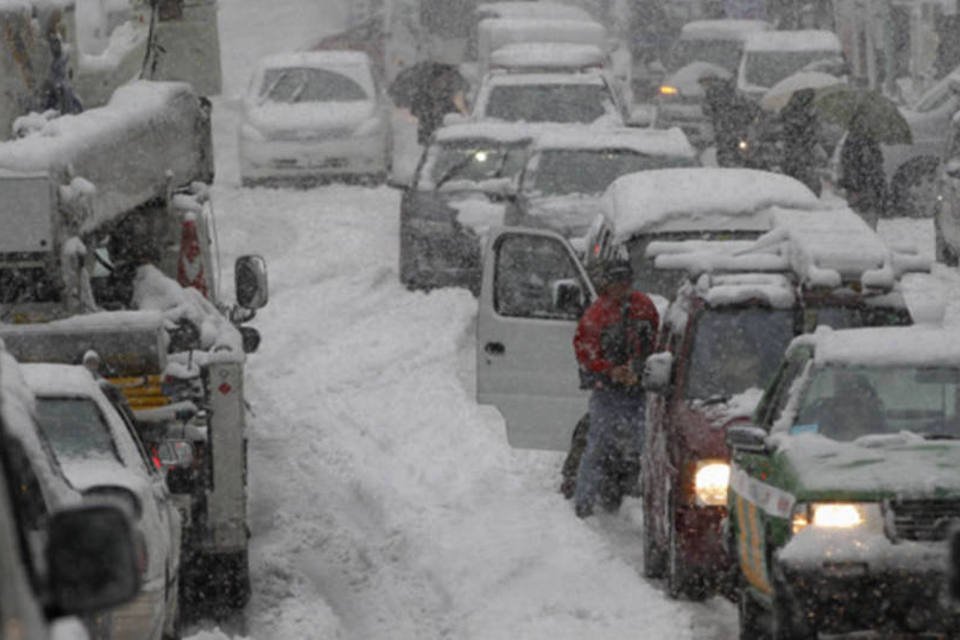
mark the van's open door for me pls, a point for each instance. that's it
(532, 294)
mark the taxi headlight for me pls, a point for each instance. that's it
(837, 515)
(710, 481)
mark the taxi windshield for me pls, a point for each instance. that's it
(847, 402)
(736, 349)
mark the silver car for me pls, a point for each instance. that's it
(311, 115)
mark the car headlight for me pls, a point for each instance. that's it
(669, 91)
(249, 132)
(837, 515)
(710, 482)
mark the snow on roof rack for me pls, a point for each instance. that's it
(825, 248)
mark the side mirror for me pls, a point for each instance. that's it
(250, 280)
(657, 371)
(251, 339)
(748, 439)
(567, 297)
(952, 168)
(91, 559)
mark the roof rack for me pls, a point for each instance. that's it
(822, 248)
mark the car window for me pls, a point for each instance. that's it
(723, 53)
(767, 68)
(778, 393)
(852, 317)
(736, 349)
(295, 85)
(75, 428)
(847, 402)
(557, 172)
(583, 103)
(528, 271)
(466, 160)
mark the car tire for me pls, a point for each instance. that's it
(173, 624)
(682, 582)
(913, 189)
(749, 615)
(654, 559)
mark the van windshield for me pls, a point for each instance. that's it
(723, 53)
(561, 172)
(767, 68)
(583, 103)
(736, 349)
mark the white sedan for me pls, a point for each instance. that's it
(102, 456)
(315, 114)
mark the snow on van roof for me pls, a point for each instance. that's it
(531, 10)
(917, 345)
(547, 55)
(729, 29)
(700, 199)
(773, 289)
(802, 40)
(319, 59)
(501, 31)
(666, 142)
(524, 79)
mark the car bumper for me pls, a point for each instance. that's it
(305, 158)
(896, 586)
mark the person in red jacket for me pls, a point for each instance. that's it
(613, 339)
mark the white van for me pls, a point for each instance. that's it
(771, 56)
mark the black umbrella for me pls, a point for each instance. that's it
(419, 81)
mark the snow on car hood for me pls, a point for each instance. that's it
(902, 465)
(687, 78)
(478, 213)
(736, 407)
(271, 117)
(571, 214)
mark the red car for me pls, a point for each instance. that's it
(721, 342)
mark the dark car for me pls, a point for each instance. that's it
(458, 192)
(723, 339)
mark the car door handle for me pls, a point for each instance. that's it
(494, 348)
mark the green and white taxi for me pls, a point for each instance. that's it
(843, 492)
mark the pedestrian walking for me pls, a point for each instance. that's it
(801, 135)
(430, 90)
(861, 170)
(613, 339)
(731, 115)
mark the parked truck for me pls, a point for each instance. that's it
(108, 257)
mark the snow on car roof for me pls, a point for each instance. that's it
(700, 198)
(46, 379)
(802, 40)
(531, 10)
(667, 142)
(774, 289)
(917, 345)
(729, 29)
(319, 59)
(522, 79)
(547, 55)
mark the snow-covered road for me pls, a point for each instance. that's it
(385, 503)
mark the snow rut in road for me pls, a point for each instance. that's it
(385, 503)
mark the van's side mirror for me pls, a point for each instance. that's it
(91, 559)
(568, 297)
(747, 439)
(250, 338)
(657, 371)
(250, 280)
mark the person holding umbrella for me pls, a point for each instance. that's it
(861, 169)
(430, 90)
(801, 133)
